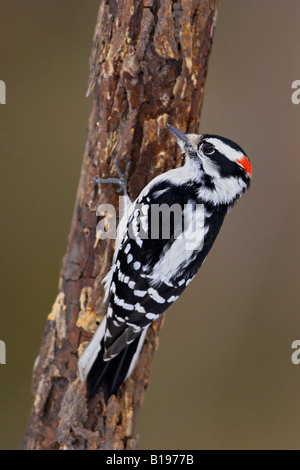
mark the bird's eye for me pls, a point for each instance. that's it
(208, 149)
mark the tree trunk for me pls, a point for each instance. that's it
(147, 68)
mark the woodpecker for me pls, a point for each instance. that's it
(149, 272)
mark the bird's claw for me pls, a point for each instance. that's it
(121, 181)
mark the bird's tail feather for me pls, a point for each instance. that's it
(91, 352)
(110, 374)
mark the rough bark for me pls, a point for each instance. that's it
(147, 68)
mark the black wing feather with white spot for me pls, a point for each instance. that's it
(136, 297)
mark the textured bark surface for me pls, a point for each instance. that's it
(147, 68)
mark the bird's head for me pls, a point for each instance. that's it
(222, 165)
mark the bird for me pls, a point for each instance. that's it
(152, 266)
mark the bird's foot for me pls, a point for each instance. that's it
(121, 182)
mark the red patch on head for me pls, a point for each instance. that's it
(244, 162)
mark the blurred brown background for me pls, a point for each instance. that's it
(222, 378)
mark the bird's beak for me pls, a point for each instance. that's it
(180, 136)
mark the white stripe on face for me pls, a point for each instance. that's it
(225, 149)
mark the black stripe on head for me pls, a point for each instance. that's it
(226, 167)
(226, 141)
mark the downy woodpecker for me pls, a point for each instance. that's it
(149, 272)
